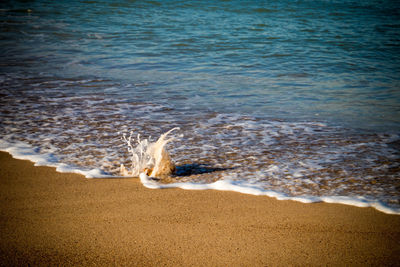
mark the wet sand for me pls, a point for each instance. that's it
(64, 219)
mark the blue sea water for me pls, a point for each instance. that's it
(299, 97)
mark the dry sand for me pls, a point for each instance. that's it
(64, 219)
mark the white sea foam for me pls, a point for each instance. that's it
(26, 152)
(245, 188)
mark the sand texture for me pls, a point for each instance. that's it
(52, 218)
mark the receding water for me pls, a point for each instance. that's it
(299, 97)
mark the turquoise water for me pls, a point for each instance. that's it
(301, 97)
(326, 60)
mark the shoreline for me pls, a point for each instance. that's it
(53, 218)
(24, 152)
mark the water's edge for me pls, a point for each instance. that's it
(22, 151)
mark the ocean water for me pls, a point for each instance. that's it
(292, 99)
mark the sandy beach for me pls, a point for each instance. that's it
(55, 218)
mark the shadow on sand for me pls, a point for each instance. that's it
(195, 168)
